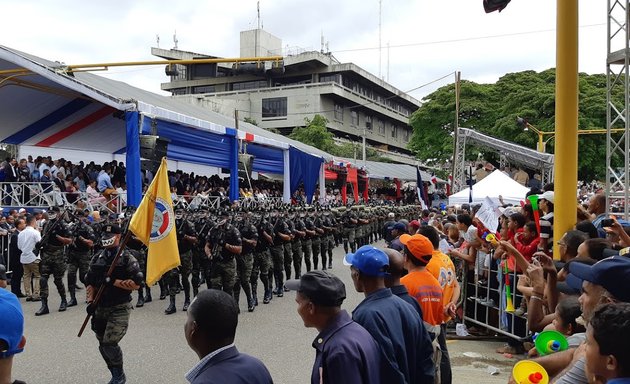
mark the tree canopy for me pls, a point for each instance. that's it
(493, 109)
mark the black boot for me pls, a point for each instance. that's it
(195, 289)
(140, 302)
(73, 299)
(171, 308)
(162, 293)
(44, 308)
(63, 305)
(147, 297)
(118, 375)
(267, 297)
(250, 304)
(186, 301)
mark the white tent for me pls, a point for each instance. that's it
(495, 184)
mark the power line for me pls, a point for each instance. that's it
(463, 39)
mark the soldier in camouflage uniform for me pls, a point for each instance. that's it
(307, 241)
(299, 234)
(329, 227)
(110, 316)
(79, 255)
(262, 260)
(350, 221)
(319, 239)
(245, 260)
(363, 224)
(139, 251)
(281, 242)
(200, 263)
(223, 243)
(186, 240)
(56, 235)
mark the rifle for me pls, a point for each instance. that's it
(40, 244)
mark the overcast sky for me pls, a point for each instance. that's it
(428, 38)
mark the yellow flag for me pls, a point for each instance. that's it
(153, 223)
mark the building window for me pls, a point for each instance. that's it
(329, 78)
(368, 122)
(407, 133)
(381, 126)
(394, 131)
(274, 107)
(204, 89)
(339, 112)
(178, 91)
(354, 118)
(249, 85)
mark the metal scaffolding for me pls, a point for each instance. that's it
(617, 111)
(508, 153)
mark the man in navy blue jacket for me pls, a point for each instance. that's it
(393, 323)
(210, 330)
(345, 351)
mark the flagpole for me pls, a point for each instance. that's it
(99, 294)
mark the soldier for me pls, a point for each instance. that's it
(139, 251)
(186, 239)
(288, 246)
(307, 241)
(329, 227)
(350, 221)
(282, 236)
(110, 316)
(262, 259)
(201, 266)
(79, 255)
(319, 239)
(223, 243)
(55, 236)
(245, 260)
(363, 224)
(299, 233)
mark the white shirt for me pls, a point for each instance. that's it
(26, 243)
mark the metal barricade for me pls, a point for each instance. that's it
(485, 302)
(5, 250)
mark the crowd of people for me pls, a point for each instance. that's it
(415, 285)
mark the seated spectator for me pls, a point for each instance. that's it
(93, 196)
(607, 340)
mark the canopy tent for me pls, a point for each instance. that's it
(388, 171)
(44, 106)
(495, 184)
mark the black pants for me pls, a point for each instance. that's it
(446, 375)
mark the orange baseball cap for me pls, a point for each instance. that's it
(419, 246)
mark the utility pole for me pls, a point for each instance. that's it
(380, 54)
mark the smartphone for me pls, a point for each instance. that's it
(607, 222)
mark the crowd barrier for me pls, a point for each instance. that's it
(485, 301)
(5, 252)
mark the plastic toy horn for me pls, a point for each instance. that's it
(492, 239)
(548, 342)
(533, 199)
(529, 372)
(509, 304)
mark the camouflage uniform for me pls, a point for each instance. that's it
(278, 253)
(318, 240)
(328, 240)
(298, 232)
(245, 263)
(307, 242)
(185, 231)
(111, 316)
(262, 261)
(53, 261)
(139, 252)
(79, 255)
(223, 275)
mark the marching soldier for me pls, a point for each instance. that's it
(79, 255)
(329, 227)
(318, 240)
(282, 237)
(139, 251)
(245, 260)
(223, 243)
(262, 260)
(110, 316)
(56, 236)
(307, 241)
(200, 262)
(186, 239)
(299, 233)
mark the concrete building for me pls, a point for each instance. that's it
(281, 95)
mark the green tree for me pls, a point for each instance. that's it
(493, 108)
(314, 133)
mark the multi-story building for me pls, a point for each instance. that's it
(355, 102)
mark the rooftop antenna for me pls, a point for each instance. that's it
(322, 42)
(258, 13)
(175, 39)
(388, 61)
(157, 38)
(380, 60)
(327, 47)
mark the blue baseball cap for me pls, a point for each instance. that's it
(12, 327)
(400, 226)
(369, 260)
(612, 274)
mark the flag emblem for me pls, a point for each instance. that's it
(162, 220)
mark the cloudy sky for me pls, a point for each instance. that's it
(428, 38)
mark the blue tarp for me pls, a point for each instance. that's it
(133, 176)
(266, 159)
(304, 168)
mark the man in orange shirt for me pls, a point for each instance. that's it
(442, 268)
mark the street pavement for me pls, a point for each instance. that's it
(155, 350)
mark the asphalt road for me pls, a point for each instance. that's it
(155, 350)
